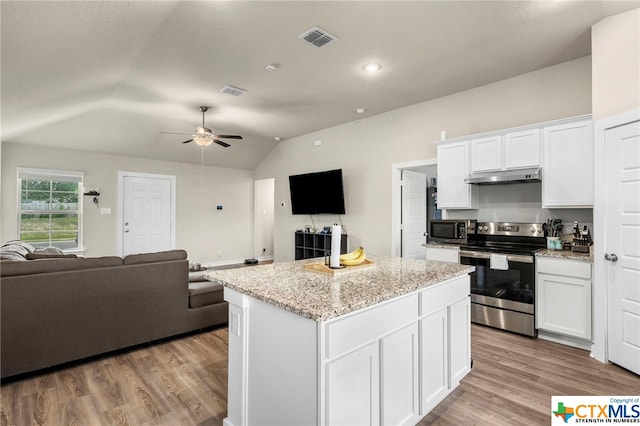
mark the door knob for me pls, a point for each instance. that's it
(611, 257)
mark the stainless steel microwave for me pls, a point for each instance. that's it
(452, 231)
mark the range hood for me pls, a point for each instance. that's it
(505, 177)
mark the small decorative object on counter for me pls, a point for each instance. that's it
(581, 239)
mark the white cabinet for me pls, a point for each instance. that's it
(445, 341)
(563, 293)
(486, 154)
(459, 340)
(453, 169)
(435, 380)
(399, 373)
(506, 151)
(522, 149)
(567, 175)
(443, 254)
(352, 385)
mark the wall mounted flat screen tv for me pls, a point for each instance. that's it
(317, 193)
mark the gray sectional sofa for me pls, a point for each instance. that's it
(55, 310)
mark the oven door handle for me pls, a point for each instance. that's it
(484, 255)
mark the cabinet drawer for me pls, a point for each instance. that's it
(566, 267)
(433, 299)
(344, 334)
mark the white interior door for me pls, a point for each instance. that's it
(414, 214)
(622, 245)
(146, 214)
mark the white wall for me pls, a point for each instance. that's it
(366, 148)
(201, 229)
(615, 45)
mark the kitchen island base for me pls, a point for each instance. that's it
(389, 363)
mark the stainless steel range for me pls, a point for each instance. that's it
(503, 285)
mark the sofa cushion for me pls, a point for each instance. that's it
(161, 256)
(205, 293)
(9, 268)
(37, 255)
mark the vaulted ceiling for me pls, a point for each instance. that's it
(110, 76)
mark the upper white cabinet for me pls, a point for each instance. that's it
(453, 168)
(567, 174)
(506, 151)
(486, 154)
(522, 149)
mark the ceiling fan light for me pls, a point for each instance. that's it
(203, 140)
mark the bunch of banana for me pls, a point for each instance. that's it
(354, 258)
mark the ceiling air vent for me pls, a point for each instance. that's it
(233, 90)
(317, 37)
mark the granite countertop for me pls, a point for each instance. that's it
(321, 297)
(566, 254)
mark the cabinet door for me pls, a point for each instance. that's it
(522, 149)
(459, 340)
(486, 154)
(399, 373)
(564, 305)
(434, 375)
(567, 175)
(353, 388)
(453, 168)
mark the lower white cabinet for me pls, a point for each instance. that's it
(353, 383)
(563, 293)
(399, 371)
(445, 343)
(443, 254)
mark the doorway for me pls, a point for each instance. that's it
(405, 241)
(263, 219)
(146, 212)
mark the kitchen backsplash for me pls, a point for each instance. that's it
(520, 202)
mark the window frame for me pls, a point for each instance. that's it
(56, 176)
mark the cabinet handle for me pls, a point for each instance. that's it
(611, 257)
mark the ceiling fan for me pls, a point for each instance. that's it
(204, 136)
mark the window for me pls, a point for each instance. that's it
(50, 208)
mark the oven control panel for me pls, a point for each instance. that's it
(510, 228)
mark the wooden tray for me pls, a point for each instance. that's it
(324, 269)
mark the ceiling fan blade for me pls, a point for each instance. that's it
(175, 133)
(190, 140)
(226, 145)
(229, 136)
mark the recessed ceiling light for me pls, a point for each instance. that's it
(277, 138)
(360, 110)
(272, 67)
(372, 67)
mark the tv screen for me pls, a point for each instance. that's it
(317, 193)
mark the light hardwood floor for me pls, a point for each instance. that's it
(184, 382)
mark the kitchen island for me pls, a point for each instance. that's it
(383, 345)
